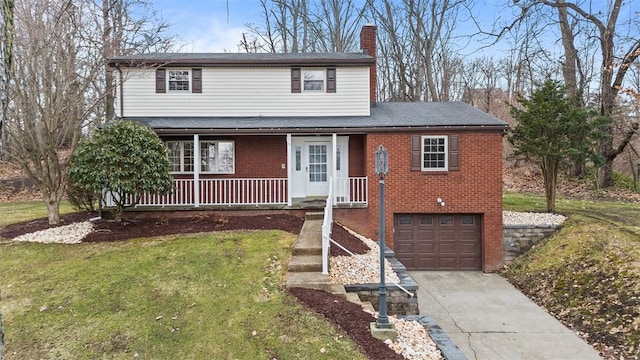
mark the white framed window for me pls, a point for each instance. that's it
(178, 80)
(434, 153)
(313, 80)
(217, 157)
(181, 156)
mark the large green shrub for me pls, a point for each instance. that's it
(124, 158)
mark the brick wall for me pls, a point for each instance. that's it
(475, 189)
(258, 156)
(368, 43)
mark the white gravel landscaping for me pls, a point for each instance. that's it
(67, 234)
(530, 218)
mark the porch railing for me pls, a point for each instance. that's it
(254, 191)
(250, 191)
(244, 191)
(351, 190)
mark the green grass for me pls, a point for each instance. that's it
(203, 296)
(588, 273)
(14, 212)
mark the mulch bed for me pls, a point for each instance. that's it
(347, 316)
(350, 318)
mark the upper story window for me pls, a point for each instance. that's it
(178, 80)
(313, 80)
(434, 153)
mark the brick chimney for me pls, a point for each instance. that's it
(368, 45)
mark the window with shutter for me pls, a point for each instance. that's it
(435, 153)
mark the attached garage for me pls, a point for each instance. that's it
(438, 241)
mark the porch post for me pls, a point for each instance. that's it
(196, 170)
(289, 172)
(334, 155)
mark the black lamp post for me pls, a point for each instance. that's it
(382, 167)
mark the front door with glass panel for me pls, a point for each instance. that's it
(317, 166)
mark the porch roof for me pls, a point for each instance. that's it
(384, 117)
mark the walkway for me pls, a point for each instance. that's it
(489, 319)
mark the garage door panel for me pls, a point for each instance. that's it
(438, 242)
(426, 248)
(469, 263)
(447, 248)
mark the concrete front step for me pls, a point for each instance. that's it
(314, 280)
(310, 239)
(305, 263)
(319, 215)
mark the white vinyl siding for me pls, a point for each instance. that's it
(247, 92)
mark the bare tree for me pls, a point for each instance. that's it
(301, 26)
(52, 71)
(128, 27)
(6, 39)
(418, 60)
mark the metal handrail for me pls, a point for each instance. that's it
(371, 267)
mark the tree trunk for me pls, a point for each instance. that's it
(53, 209)
(550, 175)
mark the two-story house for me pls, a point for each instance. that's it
(276, 130)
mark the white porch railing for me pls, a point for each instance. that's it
(256, 191)
(245, 191)
(351, 190)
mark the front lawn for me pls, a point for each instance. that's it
(203, 296)
(14, 212)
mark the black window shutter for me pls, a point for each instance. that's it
(454, 153)
(331, 80)
(161, 81)
(416, 153)
(196, 81)
(295, 81)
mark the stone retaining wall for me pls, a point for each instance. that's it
(398, 302)
(517, 239)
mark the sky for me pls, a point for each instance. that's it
(208, 25)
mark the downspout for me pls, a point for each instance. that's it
(120, 90)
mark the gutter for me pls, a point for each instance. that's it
(345, 130)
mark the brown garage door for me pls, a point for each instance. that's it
(438, 241)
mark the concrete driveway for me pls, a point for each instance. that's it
(489, 319)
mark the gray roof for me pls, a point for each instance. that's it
(242, 59)
(384, 117)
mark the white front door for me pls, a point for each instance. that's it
(317, 165)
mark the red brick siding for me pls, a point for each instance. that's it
(258, 156)
(368, 42)
(476, 188)
(356, 155)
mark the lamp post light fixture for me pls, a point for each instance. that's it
(382, 168)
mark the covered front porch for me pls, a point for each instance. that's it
(311, 164)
